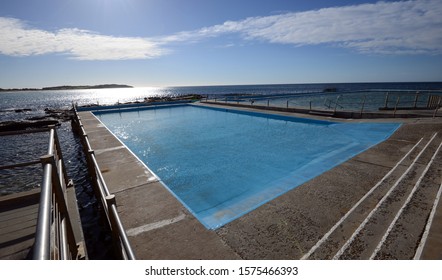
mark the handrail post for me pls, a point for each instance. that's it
(336, 103)
(110, 200)
(395, 106)
(415, 99)
(437, 107)
(42, 245)
(386, 100)
(363, 104)
(90, 153)
(118, 232)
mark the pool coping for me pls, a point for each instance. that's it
(162, 239)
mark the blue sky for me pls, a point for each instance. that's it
(208, 42)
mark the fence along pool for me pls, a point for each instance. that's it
(358, 101)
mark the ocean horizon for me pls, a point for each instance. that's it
(38, 100)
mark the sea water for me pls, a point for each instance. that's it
(39, 100)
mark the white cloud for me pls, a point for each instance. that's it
(16, 39)
(411, 27)
(403, 27)
(85, 45)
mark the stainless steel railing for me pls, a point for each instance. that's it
(119, 235)
(380, 102)
(54, 238)
(54, 235)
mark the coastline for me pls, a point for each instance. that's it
(104, 86)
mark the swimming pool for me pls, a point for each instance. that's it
(223, 163)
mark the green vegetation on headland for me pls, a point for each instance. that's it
(68, 87)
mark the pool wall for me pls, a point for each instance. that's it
(128, 107)
(117, 109)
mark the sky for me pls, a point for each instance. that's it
(218, 42)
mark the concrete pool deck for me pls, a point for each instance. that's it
(159, 227)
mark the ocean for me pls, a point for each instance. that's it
(37, 101)
(18, 149)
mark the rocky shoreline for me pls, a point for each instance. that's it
(51, 117)
(56, 116)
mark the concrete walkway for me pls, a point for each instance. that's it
(159, 227)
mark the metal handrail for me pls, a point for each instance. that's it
(42, 245)
(354, 106)
(54, 236)
(107, 199)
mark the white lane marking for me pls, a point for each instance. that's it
(362, 225)
(100, 151)
(423, 241)
(152, 226)
(325, 237)
(410, 196)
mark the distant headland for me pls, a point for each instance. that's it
(69, 87)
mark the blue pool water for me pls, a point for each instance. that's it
(222, 164)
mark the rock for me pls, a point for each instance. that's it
(64, 115)
(27, 124)
(22, 110)
(37, 118)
